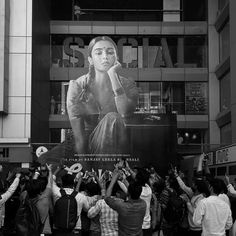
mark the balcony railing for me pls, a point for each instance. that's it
(125, 15)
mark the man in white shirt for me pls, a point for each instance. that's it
(213, 213)
(142, 177)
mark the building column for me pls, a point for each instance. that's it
(232, 25)
(213, 61)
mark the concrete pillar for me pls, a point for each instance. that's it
(232, 25)
(213, 61)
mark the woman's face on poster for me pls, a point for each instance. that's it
(103, 55)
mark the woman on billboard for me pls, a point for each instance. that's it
(98, 102)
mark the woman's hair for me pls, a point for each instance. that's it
(90, 48)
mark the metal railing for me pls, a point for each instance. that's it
(81, 14)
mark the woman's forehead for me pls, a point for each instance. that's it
(103, 44)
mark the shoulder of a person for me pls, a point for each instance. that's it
(146, 191)
(79, 81)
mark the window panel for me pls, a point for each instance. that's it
(196, 98)
(225, 93)
(224, 43)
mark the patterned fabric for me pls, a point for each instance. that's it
(81, 101)
(108, 218)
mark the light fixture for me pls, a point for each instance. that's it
(186, 134)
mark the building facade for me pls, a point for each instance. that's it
(180, 54)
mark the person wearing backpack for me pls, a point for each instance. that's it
(68, 205)
(28, 220)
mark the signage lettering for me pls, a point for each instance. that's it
(4, 152)
(72, 47)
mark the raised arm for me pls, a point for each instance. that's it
(5, 196)
(182, 185)
(231, 189)
(79, 181)
(115, 176)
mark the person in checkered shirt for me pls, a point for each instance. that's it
(107, 216)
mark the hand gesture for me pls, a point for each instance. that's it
(175, 171)
(202, 156)
(49, 166)
(115, 173)
(119, 165)
(227, 179)
(18, 175)
(115, 68)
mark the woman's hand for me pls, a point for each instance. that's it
(115, 68)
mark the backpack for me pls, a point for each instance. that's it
(65, 211)
(28, 221)
(175, 210)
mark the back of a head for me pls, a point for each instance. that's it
(135, 190)
(202, 186)
(216, 185)
(142, 176)
(67, 181)
(92, 189)
(33, 188)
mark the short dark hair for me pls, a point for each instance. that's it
(67, 181)
(33, 188)
(142, 176)
(216, 185)
(135, 190)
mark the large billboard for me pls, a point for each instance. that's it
(106, 126)
(151, 140)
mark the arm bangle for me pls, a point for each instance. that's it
(119, 91)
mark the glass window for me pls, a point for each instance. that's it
(173, 97)
(196, 98)
(171, 10)
(226, 134)
(232, 170)
(213, 171)
(195, 51)
(225, 93)
(58, 92)
(189, 136)
(221, 171)
(165, 97)
(195, 10)
(59, 135)
(149, 97)
(224, 43)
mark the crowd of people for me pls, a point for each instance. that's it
(128, 201)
